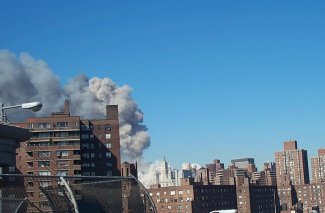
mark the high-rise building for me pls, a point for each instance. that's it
(66, 145)
(318, 167)
(292, 165)
(291, 170)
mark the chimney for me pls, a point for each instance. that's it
(112, 112)
(66, 107)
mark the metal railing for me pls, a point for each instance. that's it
(73, 194)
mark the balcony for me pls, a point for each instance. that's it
(55, 129)
(46, 139)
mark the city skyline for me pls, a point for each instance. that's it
(220, 79)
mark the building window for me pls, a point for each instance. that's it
(62, 153)
(172, 192)
(85, 155)
(84, 136)
(44, 173)
(108, 154)
(43, 125)
(85, 164)
(43, 163)
(84, 146)
(63, 163)
(44, 135)
(108, 145)
(84, 127)
(44, 204)
(108, 127)
(43, 154)
(62, 124)
(108, 136)
(62, 172)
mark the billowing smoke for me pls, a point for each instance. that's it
(148, 172)
(24, 79)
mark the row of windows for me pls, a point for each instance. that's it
(86, 127)
(56, 143)
(56, 134)
(92, 146)
(108, 173)
(92, 155)
(48, 173)
(86, 136)
(46, 125)
(48, 163)
(64, 124)
(60, 153)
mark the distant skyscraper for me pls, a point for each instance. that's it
(243, 163)
(167, 176)
(291, 165)
(318, 167)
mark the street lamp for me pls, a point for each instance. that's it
(34, 106)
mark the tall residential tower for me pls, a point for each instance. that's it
(318, 167)
(292, 165)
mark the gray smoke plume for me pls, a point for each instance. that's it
(25, 79)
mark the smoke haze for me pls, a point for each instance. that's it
(24, 79)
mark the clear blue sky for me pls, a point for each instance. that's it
(215, 78)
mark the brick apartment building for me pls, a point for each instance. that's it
(318, 167)
(193, 197)
(68, 145)
(292, 165)
(291, 169)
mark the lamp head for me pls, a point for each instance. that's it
(34, 106)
